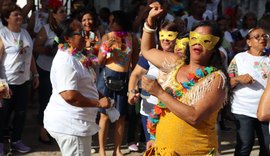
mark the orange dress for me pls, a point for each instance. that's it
(176, 137)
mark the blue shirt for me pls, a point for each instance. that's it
(143, 63)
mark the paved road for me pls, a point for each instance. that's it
(30, 137)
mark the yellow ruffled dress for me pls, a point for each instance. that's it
(176, 137)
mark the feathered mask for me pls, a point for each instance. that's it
(54, 5)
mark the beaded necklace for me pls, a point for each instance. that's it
(85, 57)
(109, 49)
(181, 89)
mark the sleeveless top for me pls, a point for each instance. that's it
(16, 58)
(121, 48)
(45, 61)
(174, 136)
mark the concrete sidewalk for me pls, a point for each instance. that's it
(30, 137)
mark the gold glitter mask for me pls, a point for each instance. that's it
(167, 35)
(181, 44)
(208, 41)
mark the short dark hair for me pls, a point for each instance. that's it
(65, 29)
(6, 11)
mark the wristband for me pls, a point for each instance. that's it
(147, 29)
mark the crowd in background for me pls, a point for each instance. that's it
(112, 60)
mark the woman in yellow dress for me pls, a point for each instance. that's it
(183, 122)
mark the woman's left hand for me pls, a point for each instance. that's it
(105, 102)
(151, 86)
(35, 82)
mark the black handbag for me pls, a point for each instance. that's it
(113, 83)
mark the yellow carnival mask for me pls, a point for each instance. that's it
(181, 44)
(169, 35)
(208, 41)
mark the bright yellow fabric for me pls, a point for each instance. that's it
(176, 137)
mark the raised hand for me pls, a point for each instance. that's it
(154, 13)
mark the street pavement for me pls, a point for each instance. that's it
(30, 137)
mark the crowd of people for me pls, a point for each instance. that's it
(183, 70)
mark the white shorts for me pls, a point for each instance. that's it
(73, 145)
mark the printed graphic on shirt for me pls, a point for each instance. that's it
(232, 69)
(262, 69)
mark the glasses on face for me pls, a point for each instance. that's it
(81, 33)
(258, 37)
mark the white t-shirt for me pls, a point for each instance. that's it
(15, 62)
(68, 73)
(247, 96)
(45, 61)
(148, 104)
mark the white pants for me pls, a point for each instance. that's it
(73, 145)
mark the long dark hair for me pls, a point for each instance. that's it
(122, 19)
(215, 60)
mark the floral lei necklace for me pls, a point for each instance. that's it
(108, 49)
(182, 88)
(86, 59)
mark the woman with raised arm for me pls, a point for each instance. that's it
(167, 40)
(183, 121)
